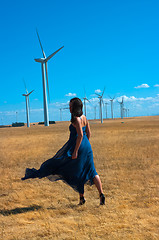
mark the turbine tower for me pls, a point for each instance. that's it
(26, 95)
(43, 62)
(61, 112)
(106, 110)
(84, 100)
(111, 100)
(128, 112)
(100, 104)
(122, 108)
(95, 112)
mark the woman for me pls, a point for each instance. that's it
(73, 163)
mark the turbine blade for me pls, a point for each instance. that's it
(87, 99)
(110, 96)
(40, 44)
(30, 93)
(50, 56)
(84, 92)
(47, 80)
(103, 91)
(25, 86)
(98, 94)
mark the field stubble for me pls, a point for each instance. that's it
(126, 158)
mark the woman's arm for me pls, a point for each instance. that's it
(88, 130)
(79, 137)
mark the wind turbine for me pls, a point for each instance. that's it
(26, 95)
(100, 104)
(125, 112)
(111, 100)
(128, 112)
(95, 112)
(122, 108)
(106, 109)
(84, 100)
(61, 112)
(43, 62)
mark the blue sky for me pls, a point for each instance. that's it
(112, 44)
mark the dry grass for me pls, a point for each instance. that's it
(126, 158)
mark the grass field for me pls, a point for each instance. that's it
(126, 157)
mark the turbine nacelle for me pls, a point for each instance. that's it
(41, 60)
(100, 96)
(86, 99)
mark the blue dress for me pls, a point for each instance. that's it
(74, 172)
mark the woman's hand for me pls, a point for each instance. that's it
(74, 155)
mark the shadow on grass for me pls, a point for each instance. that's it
(20, 210)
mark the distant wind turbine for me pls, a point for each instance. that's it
(111, 100)
(26, 95)
(95, 112)
(128, 112)
(125, 112)
(122, 108)
(100, 104)
(84, 100)
(61, 112)
(106, 110)
(124, 115)
(43, 62)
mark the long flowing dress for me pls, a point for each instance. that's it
(74, 172)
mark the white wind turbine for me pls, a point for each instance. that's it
(128, 112)
(95, 112)
(100, 104)
(43, 62)
(106, 110)
(26, 95)
(61, 112)
(122, 108)
(111, 100)
(84, 101)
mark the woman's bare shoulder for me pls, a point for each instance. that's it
(84, 120)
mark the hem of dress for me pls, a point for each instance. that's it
(54, 178)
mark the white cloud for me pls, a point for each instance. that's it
(98, 91)
(126, 99)
(94, 100)
(144, 85)
(70, 94)
(133, 99)
(60, 104)
(154, 105)
(37, 110)
(156, 85)
(106, 99)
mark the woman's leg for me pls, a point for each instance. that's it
(81, 195)
(98, 185)
(82, 199)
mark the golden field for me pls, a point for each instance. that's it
(126, 157)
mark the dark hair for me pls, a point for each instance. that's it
(77, 106)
